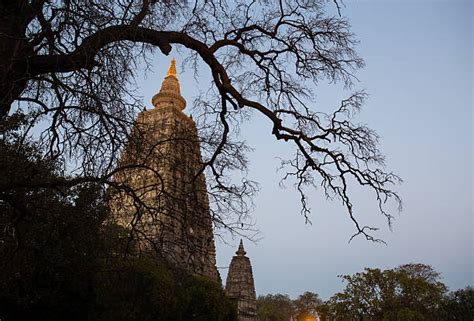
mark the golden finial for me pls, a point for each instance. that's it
(172, 68)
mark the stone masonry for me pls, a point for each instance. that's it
(167, 205)
(240, 285)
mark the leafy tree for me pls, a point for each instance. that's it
(306, 306)
(409, 292)
(71, 64)
(459, 305)
(146, 288)
(48, 238)
(49, 272)
(323, 312)
(135, 289)
(275, 307)
(204, 300)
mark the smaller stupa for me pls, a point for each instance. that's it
(240, 285)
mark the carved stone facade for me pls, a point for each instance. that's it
(173, 215)
(240, 285)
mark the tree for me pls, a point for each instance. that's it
(62, 260)
(409, 292)
(306, 306)
(49, 239)
(275, 307)
(71, 64)
(459, 305)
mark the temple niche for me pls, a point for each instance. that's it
(240, 285)
(167, 205)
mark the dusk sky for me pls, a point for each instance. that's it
(418, 75)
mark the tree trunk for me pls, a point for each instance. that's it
(14, 50)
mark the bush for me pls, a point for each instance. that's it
(204, 300)
(136, 289)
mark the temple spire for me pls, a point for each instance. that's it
(240, 286)
(241, 251)
(172, 68)
(170, 92)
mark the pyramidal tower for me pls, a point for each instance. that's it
(167, 205)
(240, 285)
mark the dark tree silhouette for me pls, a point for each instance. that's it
(459, 304)
(71, 64)
(61, 259)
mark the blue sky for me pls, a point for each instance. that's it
(419, 77)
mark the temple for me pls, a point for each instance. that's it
(240, 285)
(167, 204)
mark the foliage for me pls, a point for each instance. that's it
(275, 307)
(147, 289)
(203, 300)
(323, 312)
(306, 306)
(62, 260)
(48, 238)
(279, 307)
(135, 289)
(409, 292)
(459, 305)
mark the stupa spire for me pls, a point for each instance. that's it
(241, 251)
(172, 68)
(170, 92)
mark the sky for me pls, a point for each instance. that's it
(419, 76)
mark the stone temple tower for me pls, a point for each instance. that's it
(240, 286)
(167, 204)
